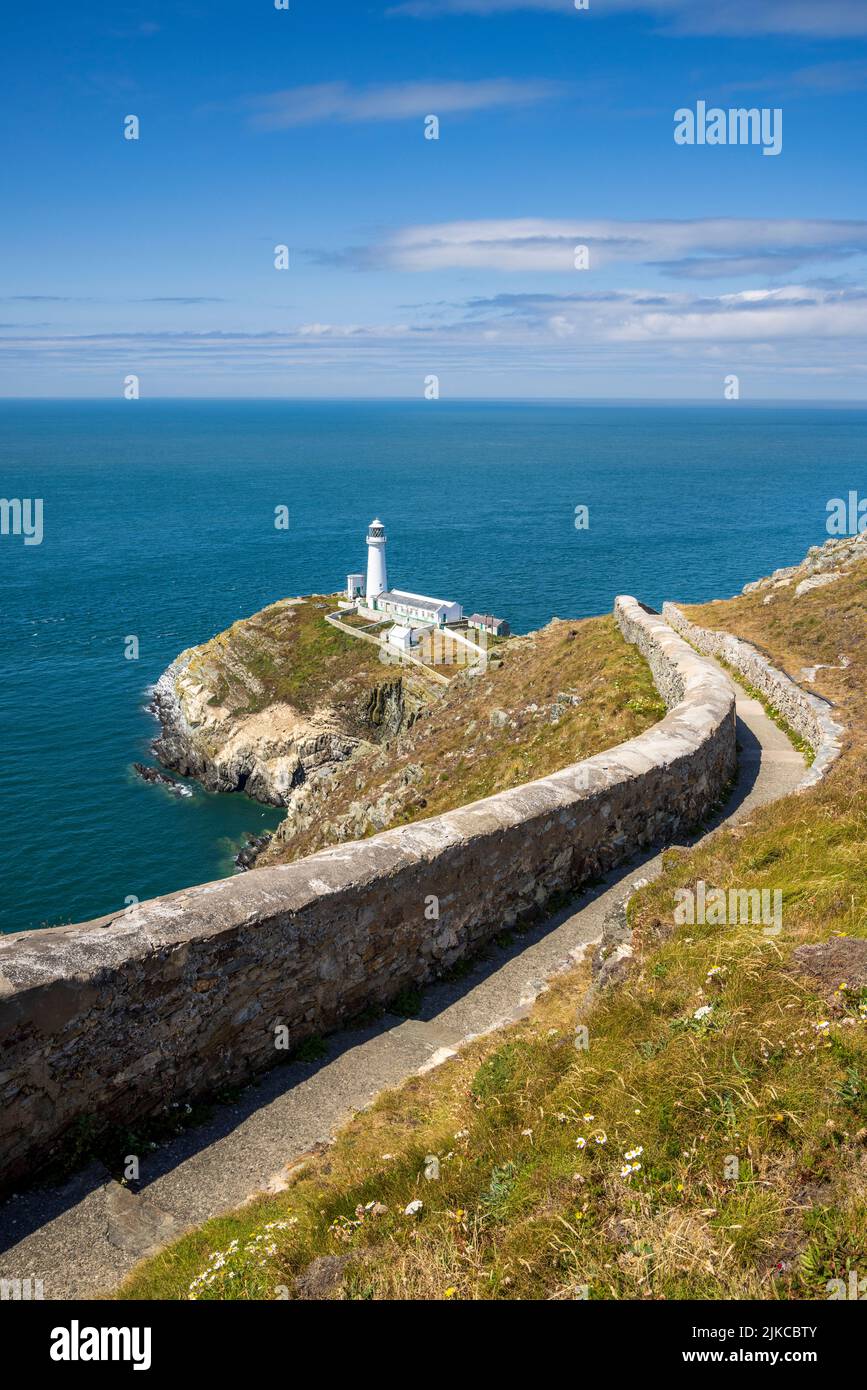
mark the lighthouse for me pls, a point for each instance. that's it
(377, 579)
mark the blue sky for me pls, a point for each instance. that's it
(412, 257)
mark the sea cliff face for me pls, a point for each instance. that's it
(266, 754)
(243, 712)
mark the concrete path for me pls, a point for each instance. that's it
(83, 1238)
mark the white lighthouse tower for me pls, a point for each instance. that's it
(377, 580)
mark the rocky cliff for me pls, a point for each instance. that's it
(277, 701)
(823, 564)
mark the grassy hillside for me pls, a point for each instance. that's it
(545, 700)
(287, 654)
(611, 1168)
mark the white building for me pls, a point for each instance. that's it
(402, 637)
(418, 608)
(410, 609)
(486, 622)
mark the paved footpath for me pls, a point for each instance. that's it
(83, 1238)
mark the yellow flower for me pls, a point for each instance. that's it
(450, 1293)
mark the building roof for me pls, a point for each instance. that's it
(427, 605)
(486, 618)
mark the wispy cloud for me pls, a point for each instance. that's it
(339, 101)
(634, 316)
(181, 299)
(605, 316)
(626, 341)
(845, 76)
(89, 299)
(704, 248)
(818, 18)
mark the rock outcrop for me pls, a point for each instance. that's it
(226, 725)
(266, 754)
(823, 565)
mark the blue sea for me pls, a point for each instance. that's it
(159, 524)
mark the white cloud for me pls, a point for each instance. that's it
(818, 18)
(338, 101)
(698, 248)
(794, 341)
(604, 317)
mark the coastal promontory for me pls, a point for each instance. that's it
(299, 711)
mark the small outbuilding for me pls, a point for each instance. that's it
(486, 622)
(401, 637)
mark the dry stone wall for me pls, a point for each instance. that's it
(809, 715)
(173, 998)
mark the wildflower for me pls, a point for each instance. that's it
(601, 1137)
(414, 1208)
(634, 1153)
(703, 1011)
(527, 1133)
(822, 1027)
(450, 1293)
(588, 1119)
(581, 1142)
(462, 1134)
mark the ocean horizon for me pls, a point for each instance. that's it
(158, 519)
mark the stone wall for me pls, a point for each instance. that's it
(809, 715)
(175, 997)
